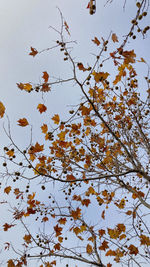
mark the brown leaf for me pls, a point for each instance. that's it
(2, 110)
(10, 263)
(42, 108)
(23, 122)
(45, 76)
(45, 87)
(89, 249)
(56, 119)
(33, 52)
(6, 226)
(96, 41)
(7, 190)
(114, 38)
(27, 239)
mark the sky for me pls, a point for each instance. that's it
(25, 23)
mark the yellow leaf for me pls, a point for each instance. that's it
(56, 119)
(27, 86)
(100, 76)
(2, 109)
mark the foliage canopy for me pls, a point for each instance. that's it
(92, 164)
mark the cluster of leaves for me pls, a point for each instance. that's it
(99, 156)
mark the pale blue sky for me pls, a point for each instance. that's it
(24, 23)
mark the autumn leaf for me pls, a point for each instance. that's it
(103, 215)
(56, 119)
(23, 122)
(6, 226)
(27, 239)
(42, 108)
(62, 221)
(45, 76)
(114, 38)
(57, 230)
(100, 76)
(133, 250)
(96, 41)
(10, 263)
(89, 249)
(33, 52)
(44, 128)
(57, 246)
(45, 219)
(66, 27)
(81, 67)
(113, 233)
(104, 245)
(25, 86)
(45, 87)
(7, 190)
(10, 152)
(76, 213)
(2, 110)
(145, 240)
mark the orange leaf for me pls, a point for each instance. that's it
(96, 41)
(10, 153)
(42, 108)
(76, 213)
(7, 190)
(104, 245)
(27, 239)
(2, 110)
(45, 76)
(6, 226)
(23, 122)
(81, 67)
(57, 246)
(44, 128)
(33, 52)
(45, 219)
(145, 240)
(133, 250)
(89, 249)
(62, 221)
(56, 119)
(114, 38)
(10, 263)
(57, 230)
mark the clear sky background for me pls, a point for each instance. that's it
(25, 23)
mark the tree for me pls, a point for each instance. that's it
(97, 159)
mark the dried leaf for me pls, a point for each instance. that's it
(7, 190)
(42, 108)
(114, 38)
(96, 41)
(23, 122)
(56, 119)
(33, 52)
(89, 249)
(45, 76)
(2, 110)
